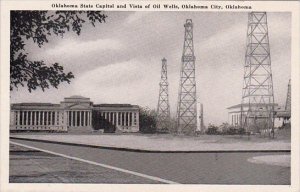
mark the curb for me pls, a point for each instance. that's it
(150, 151)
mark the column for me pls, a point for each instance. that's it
(15, 116)
(23, 121)
(79, 112)
(89, 119)
(27, 117)
(84, 119)
(33, 117)
(117, 118)
(64, 125)
(45, 118)
(105, 115)
(39, 118)
(121, 118)
(23, 117)
(132, 119)
(30, 118)
(55, 117)
(67, 118)
(18, 117)
(137, 120)
(75, 123)
(72, 118)
(48, 117)
(47, 122)
(128, 119)
(12, 119)
(42, 120)
(36, 118)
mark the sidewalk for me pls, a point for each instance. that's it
(164, 143)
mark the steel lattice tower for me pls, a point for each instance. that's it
(258, 98)
(288, 98)
(187, 100)
(163, 107)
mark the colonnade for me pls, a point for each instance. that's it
(62, 120)
(121, 119)
(235, 119)
(79, 118)
(36, 118)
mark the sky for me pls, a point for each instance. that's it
(120, 61)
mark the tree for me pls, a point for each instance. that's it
(147, 120)
(38, 26)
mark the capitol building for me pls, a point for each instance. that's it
(74, 114)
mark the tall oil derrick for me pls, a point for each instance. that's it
(288, 99)
(187, 100)
(163, 107)
(258, 98)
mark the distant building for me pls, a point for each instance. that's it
(75, 113)
(236, 112)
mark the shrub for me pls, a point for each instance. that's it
(212, 130)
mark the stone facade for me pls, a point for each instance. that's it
(75, 113)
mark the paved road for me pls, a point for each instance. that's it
(189, 168)
(32, 166)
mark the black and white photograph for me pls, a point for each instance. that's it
(102, 96)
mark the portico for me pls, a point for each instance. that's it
(77, 112)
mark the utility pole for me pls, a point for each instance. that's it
(187, 100)
(163, 106)
(258, 96)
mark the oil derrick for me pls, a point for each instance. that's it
(288, 99)
(163, 107)
(187, 102)
(258, 98)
